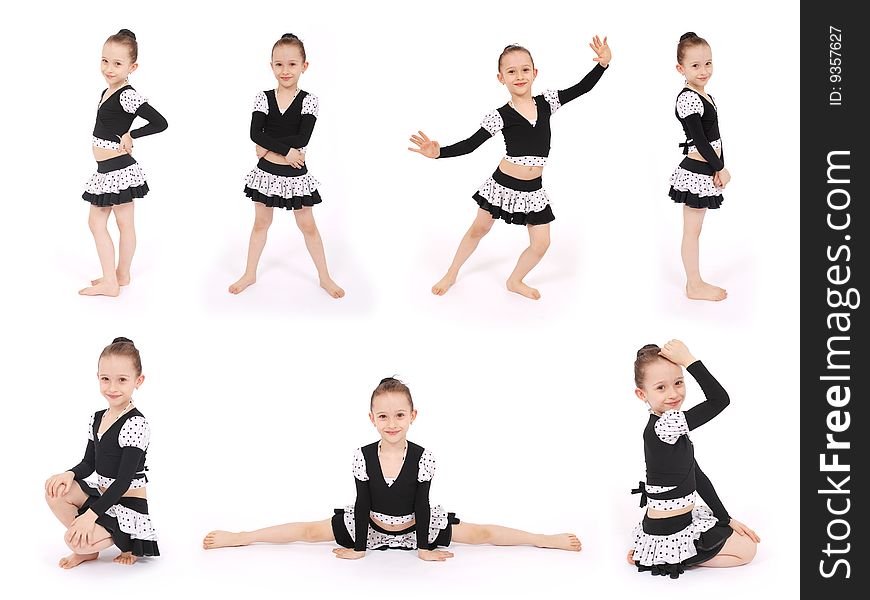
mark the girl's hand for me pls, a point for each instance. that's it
(721, 178)
(295, 158)
(348, 553)
(436, 555)
(742, 529)
(60, 484)
(676, 352)
(261, 152)
(602, 50)
(81, 532)
(425, 146)
(127, 143)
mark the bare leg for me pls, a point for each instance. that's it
(479, 228)
(469, 533)
(738, 550)
(98, 219)
(630, 557)
(262, 221)
(696, 288)
(65, 508)
(126, 242)
(539, 241)
(315, 531)
(306, 224)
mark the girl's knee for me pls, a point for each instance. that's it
(307, 226)
(262, 223)
(749, 551)
(478, 230)
(480, 534)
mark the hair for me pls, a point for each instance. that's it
(289, 39)
(122, 346)
(391, 384)
(514, 48)
(125, 37)
(645, 356)
(688, 40)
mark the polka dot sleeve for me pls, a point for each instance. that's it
(91, 429)
(671, 426)
(689, 103)
(135, 432)
(261, 104)
(131, 100)
(359, 466)
(427, 467)
(552, 98)
(492, 122)
(310, 105)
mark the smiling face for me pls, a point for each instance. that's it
(392, 415)
(697, 65)
(287, 65)
(517, 72)
(118, 380)
(663, 386)
(116, 64)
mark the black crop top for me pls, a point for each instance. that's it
(700, 121)
(407, 494)
(118, 456)
(280, 132)
(670, 455)
(526, 143)
(116, 114)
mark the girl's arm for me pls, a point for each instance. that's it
(690, 108)
(259, 137)
(136, 104)
(491, 124)
(557, 98)
(717, 397)
(310, 108)
(133, 438)
(362, 509)
(422, 510)
(711, 498)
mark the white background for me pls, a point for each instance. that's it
(256, 402)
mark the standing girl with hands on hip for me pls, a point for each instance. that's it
(514, 192)
(392, 508)
(113, 510)
(674, 532)
(282, 122)
(119, 179)
(698, 181)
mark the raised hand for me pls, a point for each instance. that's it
(436, 555)
(602, 50)
(677, 352)
(425, 146)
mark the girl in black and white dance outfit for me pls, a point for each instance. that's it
(119, 179)
(112, 509)
(676, 533)
(281, 126)
(698, 181)
(514, 193)
(392, 508)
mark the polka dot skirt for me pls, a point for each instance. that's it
(513, 201)
(672, 549)
(284, 192)
(137, 525)
(116, 187)
(437, 521)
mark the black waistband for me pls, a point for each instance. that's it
(115, 164)
(520, 185)
(281, 170)
(668, 525)
(697, 166)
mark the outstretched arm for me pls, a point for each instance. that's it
(602, 57)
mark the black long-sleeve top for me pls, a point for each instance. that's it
(280, 132)
(116, 114)
(700, 120)
(118, 456)
(523, 139)
(670, 455)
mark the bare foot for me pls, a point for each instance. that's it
(523, 290)
(560, 541)
(122, 280)
(239, 286)
(74, 560)
(125, 558)
(223, 539)
(440, 288)
(630, 558)
(332, 288)
(101, 289)
(705, 291)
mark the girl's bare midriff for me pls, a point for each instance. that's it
(137, 493)
(401, 527)
(519, 171)
(697, 155)
(101, 154)
(653, 513)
